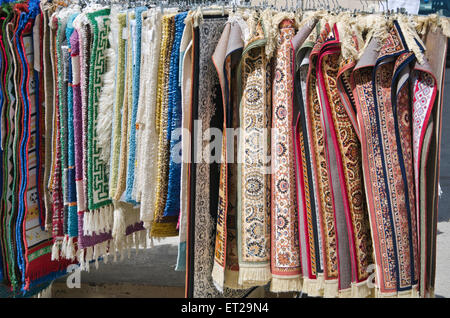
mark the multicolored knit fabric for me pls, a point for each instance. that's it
(149, 154)
(7, 137)
(36, 263)
(321, 173)
(47, 57)
(87, 237)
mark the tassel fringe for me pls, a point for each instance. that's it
(254, 276)
(282, 284)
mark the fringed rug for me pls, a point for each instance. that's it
(253, 175)
(380, 86)
(285, 250)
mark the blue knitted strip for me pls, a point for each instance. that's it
(135, 99)
(174, 122)
(72, 222)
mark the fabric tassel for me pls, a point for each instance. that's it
(280, 284)
(96, 254)
(255, 276)
(107, 251)
(55, 250)
(89, 257)
(361, 290)
(70, 249)
(87, 224)
(64, 247)
(331, 288)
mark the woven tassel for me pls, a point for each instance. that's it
(361, 290)
(89, 254)
(345, 293)
(280, 284)
(78, 256)
(70, 249)
(102, 220)
(82, 259)
(254, 276)
(96, 218)
(331, 288)
(87, 220)
(96, 254)
(64, 247)
(218, 277)
(55, 250)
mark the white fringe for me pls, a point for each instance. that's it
(98, 221)
(362, 290)
(107, 94)
(313, 287)
(82, 260)
(282, 284)
(46, 292)
(70, 249)
(89, 257)
(218, 276)
(64, 246)
(55, 250)
(254, 276)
